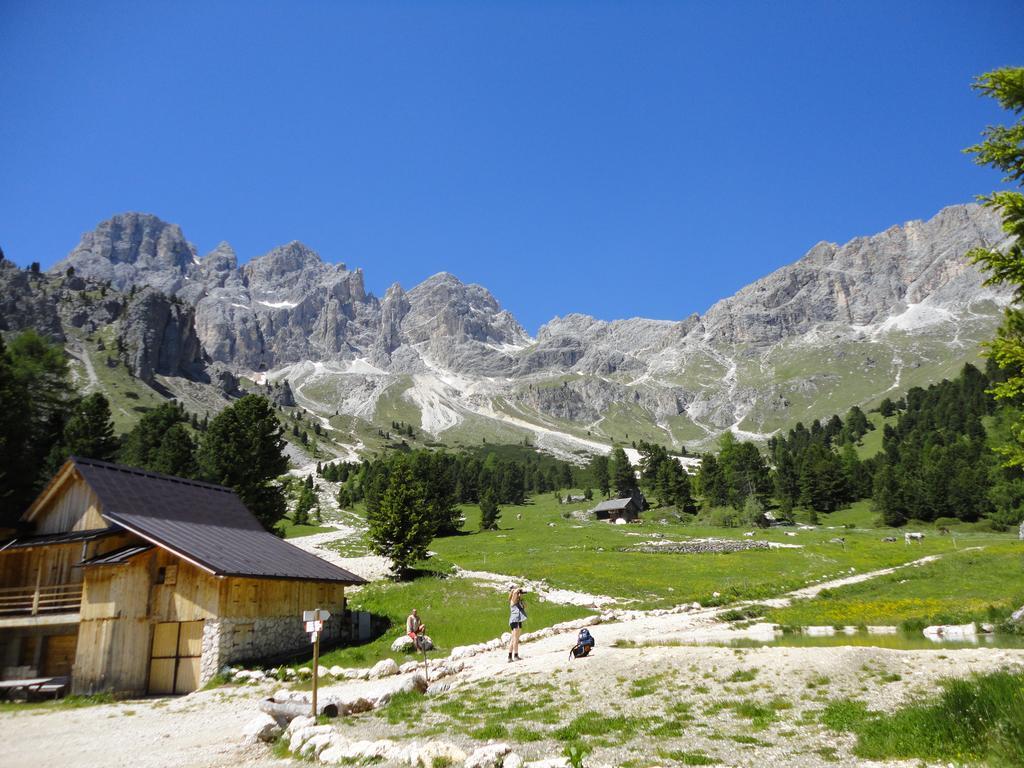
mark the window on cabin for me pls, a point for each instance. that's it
(167, 574)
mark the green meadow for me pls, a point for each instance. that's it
(537, 541)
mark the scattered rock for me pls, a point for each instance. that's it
(403, 644)
(440, 752)
(261, 728)
(488, 756)
(951, 631)
(383, 668)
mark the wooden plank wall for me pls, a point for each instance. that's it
(195, 594)
(122, 603)
(21, 567)
(73, 508)
(114, 634)
(254, 598)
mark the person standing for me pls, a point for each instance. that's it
(517, 615)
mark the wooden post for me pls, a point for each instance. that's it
(35, 595)
(316, 664)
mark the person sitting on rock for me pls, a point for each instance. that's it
(415, 628)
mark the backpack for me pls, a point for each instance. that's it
(584, 642)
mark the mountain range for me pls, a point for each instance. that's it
(843, 324)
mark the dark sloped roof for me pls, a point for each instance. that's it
(118, 556)
(613, 504)
(204, 523)
(67, 537)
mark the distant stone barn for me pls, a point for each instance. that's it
(135, 582)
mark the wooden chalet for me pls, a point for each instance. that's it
(135, 582)
(627, 508)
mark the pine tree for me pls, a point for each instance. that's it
(14, 435)
(713, 485)
(599, 466)
(1003, 148)
(140, 446)
(37, 370)
(400, 527)
(623, 476)
(308, 502)
(489, 512)
(243, 450)
(176, 453)
(89, 432)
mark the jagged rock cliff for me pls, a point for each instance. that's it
(860, 318)
(157, 335)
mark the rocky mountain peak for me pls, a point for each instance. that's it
(133, 249)
(861, 282)
(282, 262)
(221, 259)
(442, 305)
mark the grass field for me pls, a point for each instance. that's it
(456, 612)
(983, 584)
(977, 720)
(586, 555)
(289, 530)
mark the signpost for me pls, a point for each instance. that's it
(314, 621)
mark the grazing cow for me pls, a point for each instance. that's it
(749, 533)
(838, 540)
(910, 536)
(889, 539)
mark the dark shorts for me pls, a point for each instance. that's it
(515, 624)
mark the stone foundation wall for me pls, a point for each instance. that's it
(226, 641)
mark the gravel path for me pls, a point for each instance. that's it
(201, 730)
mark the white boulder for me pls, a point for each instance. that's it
(383, 668)
(952, 631)
(300, 736)
(262, 727)
(298, 723)
(439, 752)
(488, 756)
(403, 644)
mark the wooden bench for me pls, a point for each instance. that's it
(29, 688)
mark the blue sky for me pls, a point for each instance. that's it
(618, 159)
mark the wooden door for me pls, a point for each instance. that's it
(175, 662)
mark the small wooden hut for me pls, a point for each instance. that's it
(135, 582)
(627, 508)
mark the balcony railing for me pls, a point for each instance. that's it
(33, 601)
